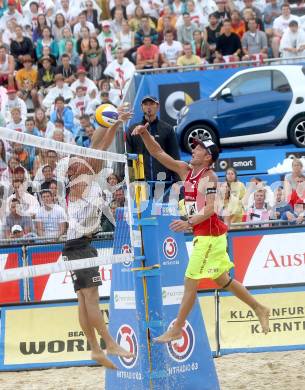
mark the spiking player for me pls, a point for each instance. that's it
(84, 211)
(209, 258)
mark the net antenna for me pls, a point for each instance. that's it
(93, 196)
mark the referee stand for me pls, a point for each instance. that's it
(144, 302)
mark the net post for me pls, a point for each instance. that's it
(150, 300)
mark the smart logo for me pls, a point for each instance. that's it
(127, 339)
(170, 248)
(173, 97)
(180, 350)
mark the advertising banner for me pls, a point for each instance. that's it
(269, 258)
(51, 336)
(175, 90)
(180, 364)
(44, 336)
(207, 306)
(124, 324)
(189, 358)
(240, 329)
(11, 292)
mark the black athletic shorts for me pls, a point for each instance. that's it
(80, 248)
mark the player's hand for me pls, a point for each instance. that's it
(140, 129)
(179, 226)
(123, 114)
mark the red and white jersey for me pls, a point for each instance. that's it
(195, 201)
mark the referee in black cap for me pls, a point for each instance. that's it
(163, 133)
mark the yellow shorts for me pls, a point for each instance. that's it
(209, 258)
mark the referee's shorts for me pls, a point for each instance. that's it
(80, 248)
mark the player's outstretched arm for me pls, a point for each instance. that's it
(102, 138)
(155, 150)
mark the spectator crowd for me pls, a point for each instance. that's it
(60, 59)
(258, 202)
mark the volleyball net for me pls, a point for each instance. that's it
(58, 192)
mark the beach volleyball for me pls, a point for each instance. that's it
(106, 115)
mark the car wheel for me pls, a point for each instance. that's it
(297, 132)
(202, 132)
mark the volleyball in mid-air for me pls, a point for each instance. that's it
(106, 115)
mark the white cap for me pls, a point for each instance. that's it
(16, 228)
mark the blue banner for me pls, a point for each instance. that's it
(190, 362)
(135, 319)
(123, 322)
(183, 87)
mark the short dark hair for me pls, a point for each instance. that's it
(53, 181)
(293, 23)
(30, 119)
(46, 166)
(214, 14)
(59, 99)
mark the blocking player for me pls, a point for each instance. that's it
(209, 258)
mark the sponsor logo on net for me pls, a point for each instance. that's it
(126, 249)
(127, 339)
(124, 300)
(180, 350)
(170, 251)
(172, 295)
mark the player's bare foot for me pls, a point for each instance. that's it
(171, 335)
(101, 358)
(116, 349)
(263, 314)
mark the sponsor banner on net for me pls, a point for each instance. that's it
(240, 327)
(124, 300)
(50, 334)
(172, 295)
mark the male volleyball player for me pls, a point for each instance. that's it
(84, 212)
(209, 258)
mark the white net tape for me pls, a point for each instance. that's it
(89, 214)
(62, 266)
(60, 147)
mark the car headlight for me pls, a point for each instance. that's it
(184, 111)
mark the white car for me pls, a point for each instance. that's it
(253, 106)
